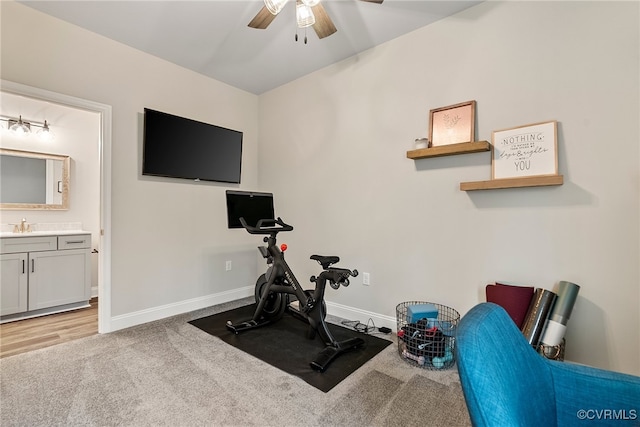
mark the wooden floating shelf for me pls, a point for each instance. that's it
(449, 150)
(530, 181)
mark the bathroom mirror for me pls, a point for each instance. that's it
(33, 181)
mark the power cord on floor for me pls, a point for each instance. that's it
(368, 328)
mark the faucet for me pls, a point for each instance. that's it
(23, 227)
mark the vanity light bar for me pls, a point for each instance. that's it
(22, 126)
(27, 122)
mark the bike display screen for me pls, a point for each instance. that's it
(250, 205)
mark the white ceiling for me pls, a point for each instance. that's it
(212, 37)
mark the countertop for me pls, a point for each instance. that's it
(42, 233)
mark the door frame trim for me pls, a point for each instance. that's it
(104, 153)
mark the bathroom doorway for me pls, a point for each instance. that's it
(100, 145)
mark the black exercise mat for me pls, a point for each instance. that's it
(284, 344)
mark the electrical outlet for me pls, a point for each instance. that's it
(365, 279)
(228, 266)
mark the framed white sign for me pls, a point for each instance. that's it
(523, 151)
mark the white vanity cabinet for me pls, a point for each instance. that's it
(44, 274)
(13, 283)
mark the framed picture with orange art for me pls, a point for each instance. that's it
(453, 124)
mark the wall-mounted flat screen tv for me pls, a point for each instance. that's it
(178, 147)
(251, 206)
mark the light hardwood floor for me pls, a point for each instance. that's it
(31, 334)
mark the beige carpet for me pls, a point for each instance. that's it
(171, 373)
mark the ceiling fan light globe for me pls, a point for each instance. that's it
(304, 16)
(275, 6)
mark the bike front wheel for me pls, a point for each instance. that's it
(276, 302)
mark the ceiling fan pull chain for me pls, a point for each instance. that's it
(305, 35)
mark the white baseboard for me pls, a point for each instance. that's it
(168, 310)
(156, 313)
(351, 313)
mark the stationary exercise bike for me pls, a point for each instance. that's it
(277, 289)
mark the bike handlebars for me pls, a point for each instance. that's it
(260, 229)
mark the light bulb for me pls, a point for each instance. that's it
(19, 128)
(45, 133)
(304, 15)
(275, 6)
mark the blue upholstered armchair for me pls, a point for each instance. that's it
(506, 383)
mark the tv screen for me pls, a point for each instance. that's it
(177, 147)
(250, 205)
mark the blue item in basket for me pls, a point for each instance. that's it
(416, 312)
(447, 328)
(440, 362)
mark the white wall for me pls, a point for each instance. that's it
(169, 237)
(76, 135)
(347, 187)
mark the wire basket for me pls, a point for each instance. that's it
(428, 342)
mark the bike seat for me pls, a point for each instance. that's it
(325, 261)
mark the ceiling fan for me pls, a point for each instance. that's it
(308, 13)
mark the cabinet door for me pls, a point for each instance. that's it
(13, 283)
(58, 278)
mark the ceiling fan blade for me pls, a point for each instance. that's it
(373, 1)
(324, 25)
(262, 19)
